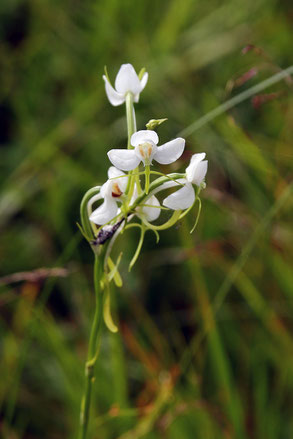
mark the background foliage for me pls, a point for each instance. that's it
(205, 343)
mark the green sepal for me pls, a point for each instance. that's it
(114, 273)
(107, 312)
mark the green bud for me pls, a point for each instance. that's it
(153, 123)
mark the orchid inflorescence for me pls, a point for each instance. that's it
(125, 202)
(129, 199)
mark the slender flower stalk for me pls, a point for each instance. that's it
(130, 117)
(122, 203)
(93, 349)
(131, 129)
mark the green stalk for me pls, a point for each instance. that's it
(147, 178)
(94, 342)
(131, 128)
(130, 117)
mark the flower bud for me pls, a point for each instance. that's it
(153, 123)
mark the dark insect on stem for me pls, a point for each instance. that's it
(106, 233)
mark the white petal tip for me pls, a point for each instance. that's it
(123, 159)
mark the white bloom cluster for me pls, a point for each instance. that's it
(143, 149)
(122, 197)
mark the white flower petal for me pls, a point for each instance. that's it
(118, 177)
(200, 174)
(192, 168)
(181, 199)
(127, 80)
(198, 157)
(124, 159)
(114, 97)
(152, 213)
(105, 212)
(106, 189)
(114, 172)
(143, 136)
(144, 80)
(170, 151)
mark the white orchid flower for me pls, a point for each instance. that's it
(145, 150)
(111, 191)
(126, 81)
(195, 174)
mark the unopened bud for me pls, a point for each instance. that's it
(153, 123)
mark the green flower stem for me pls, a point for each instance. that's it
(130, 117)
(131, 128)
(94, 342)
(147, 178)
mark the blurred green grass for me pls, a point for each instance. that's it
(205, 345)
